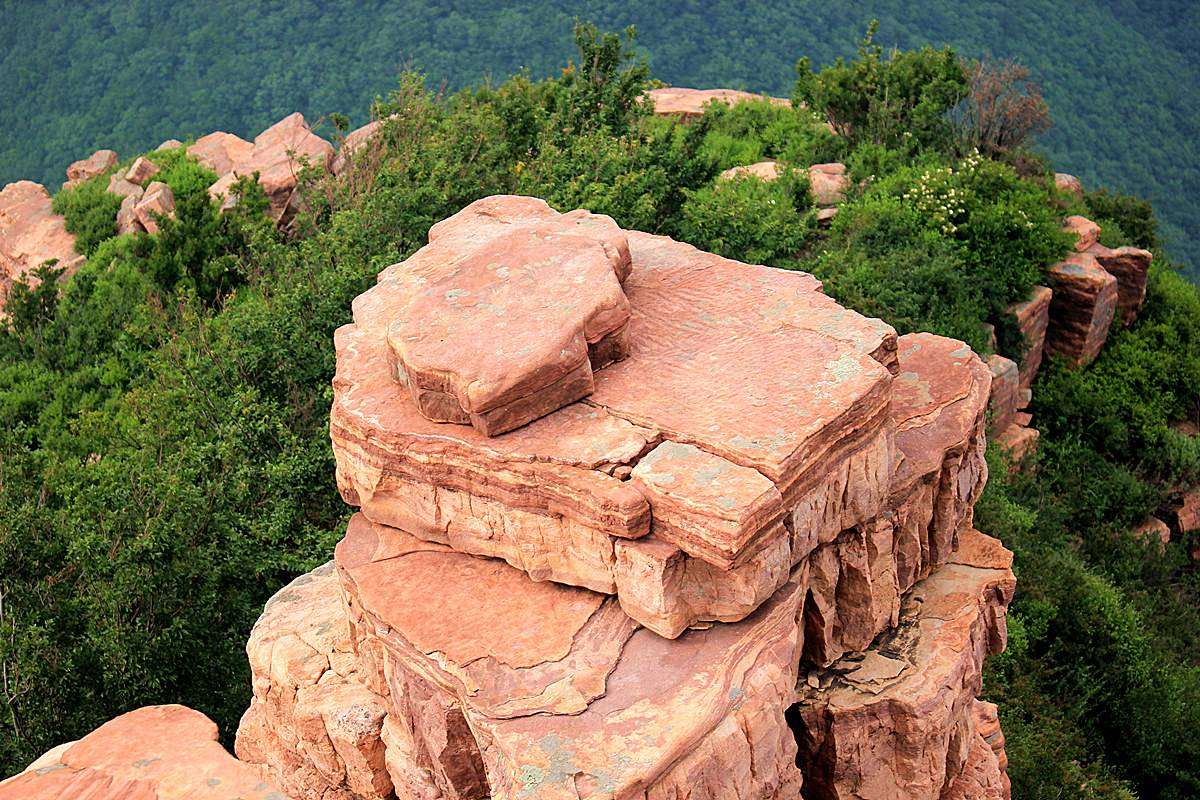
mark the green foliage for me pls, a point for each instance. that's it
(900, 101)
(745, 217)
(1132, 215)
(90, 212)
(760, 130)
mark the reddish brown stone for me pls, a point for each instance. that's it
(763, 170)
(900, 719)
(1068, 183)
(1131, 267)
(1086, 232)
(1153, 531)
(1081, 309)
(221, 152)
(30, 235)
(828, 183)
(689, 104)
(153, 753)
(122, 188)
(170, 144)
(1188, 515)
(1006, 393)
(1018, 441)
(127, 218)
(97, 163)
(158, 201)
(502, 318)
(142, 170)
(1033, 320)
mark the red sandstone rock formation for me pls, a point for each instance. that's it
(277, 155)
(900, 720)
(1006, 393)
(688, 104)
(1086, 232)
(1033, 320)
(1153, 530)
(1131, 267)
(118, 185)
(1068, 183)
(1081, 309)
(97, 163)
(142, 170)
(154, 753)
(354, 142)
(157, 201)
(31, 234)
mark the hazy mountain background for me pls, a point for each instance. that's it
(1122, 77)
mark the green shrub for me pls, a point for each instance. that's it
(750, 219)
(90, 212)
(1134, 216)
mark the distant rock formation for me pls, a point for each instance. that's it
(689, 104)
(30, 235)
(97, 163)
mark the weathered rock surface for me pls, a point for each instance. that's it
(1033, 319)
(707, 338)
(984, 775)
(157, 201)
(1131, 267)
(277, 155)
(1086, 232)
(828, 183)
(170, 144)
(900, 720)
(505, 688)
(688, 104)
(127, 219)
(1081, 309)
(153, 753)
(97, 163)
(31, 234)
(503, 317)
(142, 170)
(313, 728)
(118, 185)
(763, 170)
(1068, 183)
(1019, 441)
(1006, 392)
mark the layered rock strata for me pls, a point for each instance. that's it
(689, 104)
(1081, 309)
(901, 719)
(153, 753)
(1032, 319)
(1131, 267)
(30, 235)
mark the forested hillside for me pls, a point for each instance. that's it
(1122, 78)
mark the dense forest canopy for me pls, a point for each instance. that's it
(1122, 78)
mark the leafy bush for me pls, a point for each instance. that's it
(745, 217)
(1134, 216)
(758, 130)
(90, 212)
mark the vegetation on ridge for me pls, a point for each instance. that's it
(165, 463)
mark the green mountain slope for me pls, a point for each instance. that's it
(1122, 78)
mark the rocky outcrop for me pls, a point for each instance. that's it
(84, 169)
(313, 727)
(157, 201)
(31, 234)
(353, 144)
(1131, 267)
(1084, 230)
(1153, 531)
(120, 186)
(153, 753)
(1068, 183)
(689, 104)
(1006, 393)
(277, 155)
(1032, 319)
(1081, 309)
(142, 170)
(900, 720)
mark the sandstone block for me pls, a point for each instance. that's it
(118, 185)
(142, 170)
(31, 234)
(170, 144)
(1019, 441)
(1081, 308)
(158, 201)
(900, 719)
(1033, 320)
(1154, 531)
(97, 163)
(354, 142)
(1086, 232)
(763, 170)
(689, 104)
(828, 183)
(153, 753)
(1006, 392)
(127, 218)
(1131, 267)
(1068, 183)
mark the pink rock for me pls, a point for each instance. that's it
(221, 152)
(899, 720)
(505, 688)
(118, 185)
(1131, 267)
(1081, 308)
(689, 104)
(1033, 320)
(1086, 232)
(984, 775)
(825, 217)
(142, 170)
(170, 144)
(153, 753)
(1068, 183)
(1006, 392)
(127, 218)
(313, 727)
(355, 141)
(30, 235)
(828, 183)
(1019, 441)
(97, 163)
(763, 170)
(499, 323)
(1188, 515)
(158, 201)
(1153, 531)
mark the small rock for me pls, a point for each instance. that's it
(142, 170)
(97, 163)
(158, 200)
(1086, 232)
(1068, 183)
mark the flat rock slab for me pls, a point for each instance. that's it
(1131, 267)
(31, 234)
(1082, 308)
(753, 367)
(763, 170)
(689, 104)
(84, 169)
(1033, 320)
(560, 694)
(501, 319)
(900, 720)
(313, 727)
(153, 753)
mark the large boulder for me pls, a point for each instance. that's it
(84, 169)
(763, 170)
(1081, 309)
(689, 104)
(1032, 317)
(1131, 267)
(157, 201)
(30, 235)
(828, 184)
(221, 152)
(901, 720)
(353, 144)
(142, 170)
(153, 753)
